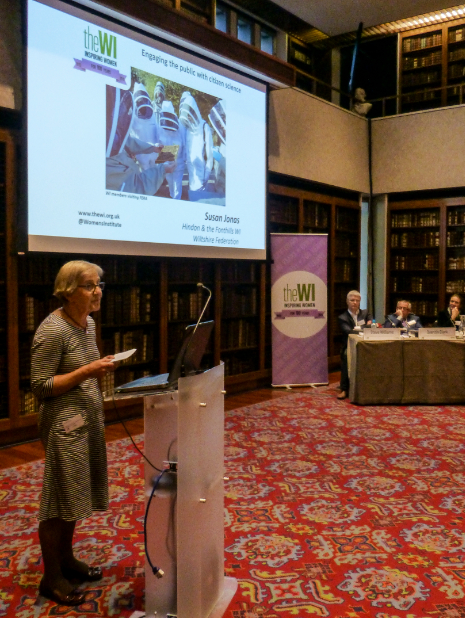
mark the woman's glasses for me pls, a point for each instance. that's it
(91, 287)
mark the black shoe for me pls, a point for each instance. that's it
(75, 597)
(94, 574)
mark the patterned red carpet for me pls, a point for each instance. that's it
(331, 510)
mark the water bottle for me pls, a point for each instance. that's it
(373, 325)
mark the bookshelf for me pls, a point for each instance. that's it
(415, 237)
(6, 154)
(295, 208)
(455, 249)
(432, 66)
(426, 253)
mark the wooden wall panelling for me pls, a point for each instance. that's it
(163, 353)
(9, 283)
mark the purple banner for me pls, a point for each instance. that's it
(90, 65)
(299, 277)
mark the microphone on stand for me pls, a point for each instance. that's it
(388, 318)
(199, 285)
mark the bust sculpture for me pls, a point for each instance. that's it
(360, 105)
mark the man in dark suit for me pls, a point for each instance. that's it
(449, 316)
(354, 316)
(403, 317)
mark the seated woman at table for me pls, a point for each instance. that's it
(448, 317)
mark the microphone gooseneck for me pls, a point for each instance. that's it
(388, 318)
(201, 285)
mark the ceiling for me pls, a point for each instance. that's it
(341, 16)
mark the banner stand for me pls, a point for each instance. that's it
(299, 312)
(291, 386)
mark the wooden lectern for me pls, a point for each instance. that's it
(185, 523)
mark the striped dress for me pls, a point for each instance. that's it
(75, 476)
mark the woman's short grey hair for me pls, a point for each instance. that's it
(68, 277)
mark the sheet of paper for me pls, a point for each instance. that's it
(123, 355)
(73, 423)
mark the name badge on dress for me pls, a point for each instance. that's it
(73, 423)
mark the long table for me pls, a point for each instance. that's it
(406, 371)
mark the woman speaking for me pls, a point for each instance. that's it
(65, 367)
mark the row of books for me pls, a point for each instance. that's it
(2, 257)
(190, 272)
(119, 271)
(423, 307)
(238, 302)
(3, 403)
(420, 96)
(39, 269)
(455, 91)
(187, 305)
(24, 350)
(237, 364)
(347, 219)
(424, 218)
(457, 263)
(345, 246)
(127, 340)
(415, 239)
(427, 261)
(457, 287)
(456, 70)
(422, 42)
(414, 62)
(345, 270)
(456, 217)
(128, 306)
(340, 295)
(284, 213)
(455, 238)
(428, 285)
(457, 54)
(240, 272)
(239, 334)
(28, 404)
(315, 214)
(458, 34)
(3, 368)
(422, 77)
(32, 311)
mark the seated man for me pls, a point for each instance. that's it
(354, 316)
(402, 317)
(448, 316)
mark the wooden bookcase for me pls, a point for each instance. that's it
(430, 58)
(425, 254)
(294, 209)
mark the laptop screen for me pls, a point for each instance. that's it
(192, 349)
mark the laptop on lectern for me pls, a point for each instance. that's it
(188, 360)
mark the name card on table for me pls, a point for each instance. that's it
(381, 334)
(447, 332)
